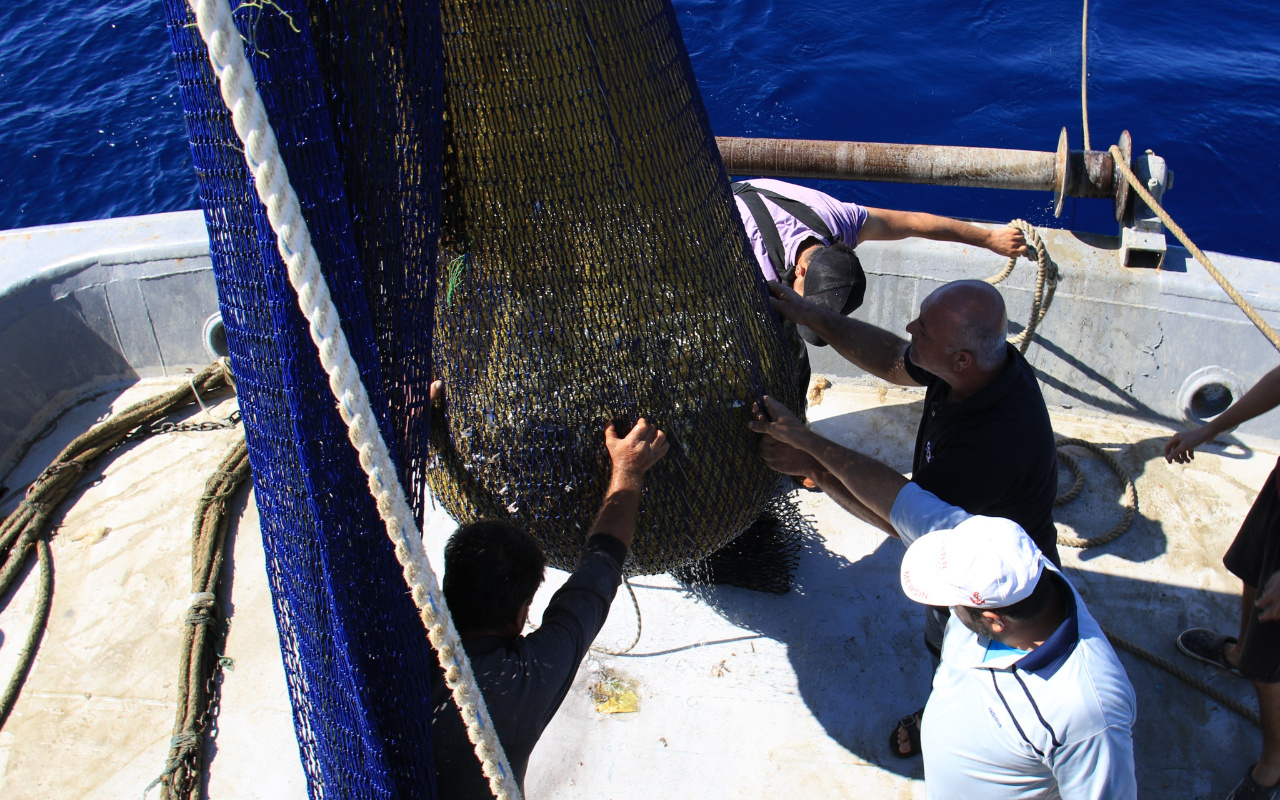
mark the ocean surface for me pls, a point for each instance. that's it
(91, 126)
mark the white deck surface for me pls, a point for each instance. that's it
(741, 694)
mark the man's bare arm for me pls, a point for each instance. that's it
(844, 498)
(791, 461)
(631, 457)
(1264, 396)
(867, 347)
(873, 484)
(885, 224)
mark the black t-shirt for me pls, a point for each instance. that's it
(992, 454)
(525, 679)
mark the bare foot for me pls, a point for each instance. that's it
(1231, 653)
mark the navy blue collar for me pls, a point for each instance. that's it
(1049, 657)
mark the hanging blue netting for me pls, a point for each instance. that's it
(353, 93)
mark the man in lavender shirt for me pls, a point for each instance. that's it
(805, 238)
(851, 224)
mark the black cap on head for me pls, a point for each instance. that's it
(835, 281)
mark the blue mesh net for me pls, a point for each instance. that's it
(356, 657)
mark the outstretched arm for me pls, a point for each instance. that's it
(884, 224)
(873, 485)
(867, 347)
(632, 456)
(791, 461)
(1264, 396)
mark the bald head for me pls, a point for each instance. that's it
(975, 317)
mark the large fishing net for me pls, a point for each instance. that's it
(596, 269)
(593, 267)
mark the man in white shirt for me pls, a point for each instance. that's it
(1030, 701)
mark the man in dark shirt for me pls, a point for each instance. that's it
(985, 442)
(491, 571)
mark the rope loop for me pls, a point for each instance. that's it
(1130, 492)
(1046, 282)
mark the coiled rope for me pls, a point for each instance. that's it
(1130, 492)
(1131, 509)
(1046, 282)
(271, 181)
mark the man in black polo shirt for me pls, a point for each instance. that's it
(985, 443)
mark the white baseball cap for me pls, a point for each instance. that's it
(984, 562)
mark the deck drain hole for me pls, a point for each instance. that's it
(1211, 400)
(215, 336)
(1208, 392)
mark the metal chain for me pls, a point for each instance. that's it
(157, 428)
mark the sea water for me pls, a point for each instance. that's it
(91, 125)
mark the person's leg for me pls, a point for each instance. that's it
(1258, 656)
(1231, 650)
(1267, 771)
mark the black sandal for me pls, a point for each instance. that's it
(911, 725)
(1208, 647)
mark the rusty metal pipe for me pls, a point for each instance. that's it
(1070, 173)
(894, 163)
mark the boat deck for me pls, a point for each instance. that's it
(740, 694)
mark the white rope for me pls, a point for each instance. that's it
(240, 93)
(1084, 72)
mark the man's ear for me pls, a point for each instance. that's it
(961, 360)
(521, 620)
(995, 620)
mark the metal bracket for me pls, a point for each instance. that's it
(1142, 241)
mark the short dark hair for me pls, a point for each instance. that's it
(1030, 606)
(491, 569)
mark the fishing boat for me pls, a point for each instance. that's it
(725, 692)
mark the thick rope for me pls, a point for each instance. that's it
(1046, 283)
(1235, 296)
(202, 635)
(27, 656)
(20, 532)
(1186, 677)
(1077, 478)
(1084, 73)
(1271, 335)
(293, 239)
(1130, 493)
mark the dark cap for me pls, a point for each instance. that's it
(834, 281)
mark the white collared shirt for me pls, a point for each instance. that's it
(1055, 722)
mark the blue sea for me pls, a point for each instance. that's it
(91, 126)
